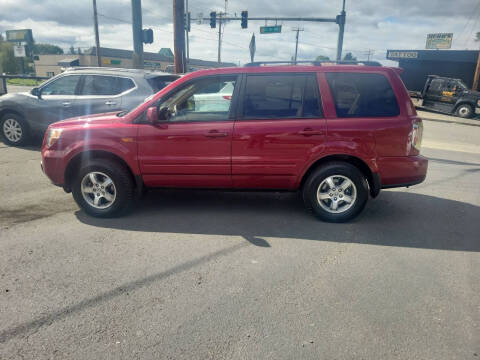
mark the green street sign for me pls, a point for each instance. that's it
(270, 29)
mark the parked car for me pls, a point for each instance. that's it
(337, 133)
(75, 92)
(448, 95)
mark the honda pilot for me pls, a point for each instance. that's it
(336, 133)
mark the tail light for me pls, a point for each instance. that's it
(227, 97)
(417, 134)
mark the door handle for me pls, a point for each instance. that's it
(66, 104)
(110, 103)
(309, 132)
(216, 133)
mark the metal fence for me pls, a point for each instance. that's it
(3, 81)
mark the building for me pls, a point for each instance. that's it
(51, 65)
(418, 64)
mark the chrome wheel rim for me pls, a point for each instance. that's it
(98, 190)
(336, 194)
(464, 111)
(12, 130)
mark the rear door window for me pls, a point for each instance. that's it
(281, 96)
(362, 95)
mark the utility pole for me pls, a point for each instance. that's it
(341, 29)
(137, 34)
(179, 35)
(296, 44)
(219, 39)
(186, 32)
(477, 74)
(370, 53)
(97, 37)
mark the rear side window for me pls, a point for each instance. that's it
(105, 85)
(281, 96)
(362, 95)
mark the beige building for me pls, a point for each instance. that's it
(51, 65)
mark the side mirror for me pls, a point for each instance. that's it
(37, 92)
(152, 114)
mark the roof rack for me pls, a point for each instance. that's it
(105, 69)
(315, 62)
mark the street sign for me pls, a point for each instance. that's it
(270, 29)
(439, 41)
(19, 50)
(252, 48)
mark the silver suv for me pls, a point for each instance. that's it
(75, 92)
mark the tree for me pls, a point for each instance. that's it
(7, 58)
(79, 51)
(322, 57)
(72, 50)
(47, 49)
(477, 37)
(349, 57)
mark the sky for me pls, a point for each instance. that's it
(372, 25)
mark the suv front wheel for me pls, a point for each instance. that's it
(336, 192)
(14, 130)
(103, 188)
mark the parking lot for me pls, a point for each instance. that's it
(230, 275)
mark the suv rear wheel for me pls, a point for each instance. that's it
(464, 111)
(103, 188)
(14, 130)
(336, 192)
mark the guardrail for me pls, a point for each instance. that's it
(4, 77)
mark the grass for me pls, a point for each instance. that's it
(24, 82)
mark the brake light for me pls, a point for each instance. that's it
(227, 97)
(417, 134)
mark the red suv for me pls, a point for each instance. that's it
(337, 133)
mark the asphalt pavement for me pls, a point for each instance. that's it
(229, 275)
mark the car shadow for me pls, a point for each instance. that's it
(395, 218)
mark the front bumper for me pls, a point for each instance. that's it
(52, 165)
(401, 171)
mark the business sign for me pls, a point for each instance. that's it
(439, 41)
(19, 51)
(270, 29)
(24, 35)
(395, 55)
(111, 61)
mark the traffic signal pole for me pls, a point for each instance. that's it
(341, 28)
(97, 37)
(179, 36)
(137, 34)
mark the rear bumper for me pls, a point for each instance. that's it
(402, 171)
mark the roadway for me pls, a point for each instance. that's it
(196, 275)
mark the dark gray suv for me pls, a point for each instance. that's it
(75, 92)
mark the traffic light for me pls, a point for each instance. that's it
(244, 19)
(213, 19)
(187, 19)
(147, 35)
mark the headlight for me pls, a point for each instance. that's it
(53, 135)
(478, 103)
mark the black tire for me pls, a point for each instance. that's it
(123, 185)
(464, 111)
(318, 176)
(9, 138)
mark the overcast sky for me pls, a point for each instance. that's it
(371, 24)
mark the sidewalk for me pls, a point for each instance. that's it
(432, 116)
